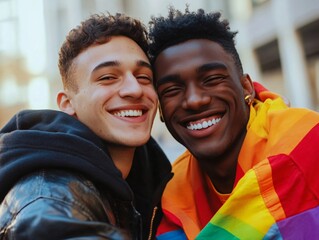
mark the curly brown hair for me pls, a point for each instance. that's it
(97, 29)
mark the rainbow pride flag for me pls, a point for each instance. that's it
(277, 199)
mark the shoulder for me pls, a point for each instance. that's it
(295, 112)
(50, 189)
(53, 199)
(180, 168)
(182, 161)
(57, 184)
(299, 119)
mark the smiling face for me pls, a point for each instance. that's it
(115, 97)
(201, 93)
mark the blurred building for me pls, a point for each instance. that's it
(279, 44)
(277, 41)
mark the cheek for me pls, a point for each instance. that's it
(231, 94)
(168, 108)
(151, 97)
(101, 95)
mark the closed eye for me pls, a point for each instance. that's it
(213, 79)
(107, 78)
(169, 91)
(144, 78)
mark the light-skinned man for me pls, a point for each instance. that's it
(91, 170)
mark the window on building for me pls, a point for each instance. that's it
(268, 56)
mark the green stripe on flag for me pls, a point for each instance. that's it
(214, 232)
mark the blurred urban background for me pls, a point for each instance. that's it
(278, 42)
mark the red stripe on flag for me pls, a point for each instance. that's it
(295, 175)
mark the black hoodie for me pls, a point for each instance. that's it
(46, 139)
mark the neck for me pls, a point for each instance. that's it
(221, 170)
(222, 177)
(122, 158)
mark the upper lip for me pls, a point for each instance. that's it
(196, 117)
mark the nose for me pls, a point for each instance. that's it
(195, 97)
(130, 87)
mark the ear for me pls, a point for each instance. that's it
(248, 85)
(64, 103)
(160, 112)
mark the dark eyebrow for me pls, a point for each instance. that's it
(142, 63)
(168, 79)
(211, 66)
(204, 68)
(106, 64)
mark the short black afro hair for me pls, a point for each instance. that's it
(178, 27)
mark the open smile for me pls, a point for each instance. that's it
(203, 123)
(128, 113)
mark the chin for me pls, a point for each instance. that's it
(206, 153)
(136, 141)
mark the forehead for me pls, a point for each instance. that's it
(118, 48)
(190, 53)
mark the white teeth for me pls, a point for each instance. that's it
(129, 113)
(203, 125)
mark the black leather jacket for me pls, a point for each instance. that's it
(58, 182)
(58, 205)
